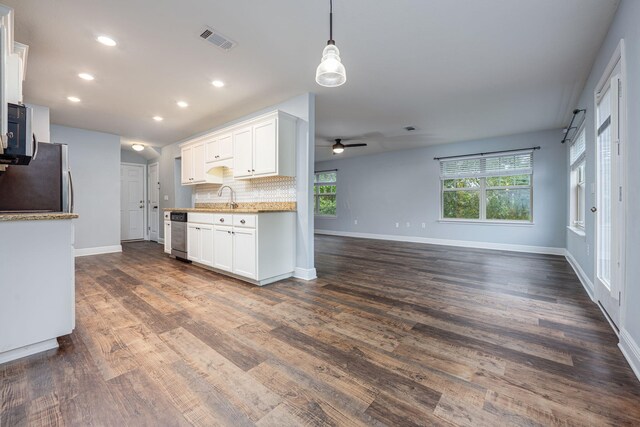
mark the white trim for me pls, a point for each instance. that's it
(577, 231)
(630, 351)
(447, 242)
(305, 273)
(523, 223)
(98, 250)
(28, 350)
(148, 203)
(582, 276)
(161, 239)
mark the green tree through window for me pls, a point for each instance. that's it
(324, 193)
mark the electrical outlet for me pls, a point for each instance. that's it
(424, 225)
(397, 225)
(355, 222)
(166, 197)
(408, 224)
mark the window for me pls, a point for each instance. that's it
(324, 193)
(497, 188)
(578, 193)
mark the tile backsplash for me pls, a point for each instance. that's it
(271, 189)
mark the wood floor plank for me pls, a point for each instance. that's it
(390, 334)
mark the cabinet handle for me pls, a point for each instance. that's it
(221, 219)
(253, 170)
(248, 170)
(229, 232)
(242, 221)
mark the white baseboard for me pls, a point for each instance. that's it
(630, 350)
(99, 250)
(161, 240)
(447, 242)
(305, 273)
(584, 279)
(28, 350)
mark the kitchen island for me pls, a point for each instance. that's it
(37, 286)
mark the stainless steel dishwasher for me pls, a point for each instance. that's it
(179, 235)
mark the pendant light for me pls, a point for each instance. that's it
(331, 72)
(338, 147)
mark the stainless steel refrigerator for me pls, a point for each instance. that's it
(44, 185)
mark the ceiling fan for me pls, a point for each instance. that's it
(338, 147)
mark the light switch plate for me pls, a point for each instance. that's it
(166, 197)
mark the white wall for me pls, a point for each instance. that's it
(94, 159)
(403, 187)
(626, 24)
(127, 156)
(303, 107)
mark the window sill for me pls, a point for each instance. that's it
(326, 216)
(577, 231)
(475, 222)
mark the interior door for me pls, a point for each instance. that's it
(154, 201)
(264, 148)
(223, 247)
(242, 153)
(609, 207)
(244, 252)
(132, 202)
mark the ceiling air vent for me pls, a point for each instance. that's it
(218, 39)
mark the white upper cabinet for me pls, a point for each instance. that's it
(265, 146)
(193, 166)
(259, 147)
(243, 152)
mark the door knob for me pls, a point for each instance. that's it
(141, 206)
(594, 209)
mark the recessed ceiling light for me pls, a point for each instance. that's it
(138, 147)
(217, 83)
(182, 104)
(73, 98)
(158, 118)
(86, 76)
(107, 41)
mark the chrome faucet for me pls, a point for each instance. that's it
(232, 203)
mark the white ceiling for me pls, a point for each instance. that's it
(455, 69)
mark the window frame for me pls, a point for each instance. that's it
(577, 170)
(316, 194)
(482, 190)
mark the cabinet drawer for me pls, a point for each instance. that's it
(226, 219)
(201, 218)
(244, 220)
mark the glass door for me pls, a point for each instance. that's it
(608, 209)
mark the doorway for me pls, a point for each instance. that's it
(609, 198)
(153, 178)
(132, 197)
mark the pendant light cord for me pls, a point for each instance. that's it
(331, 22)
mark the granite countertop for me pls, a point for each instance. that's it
(36, 216)
(242, 207)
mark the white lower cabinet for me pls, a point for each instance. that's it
(223, 247)
(244, 252)
(259, 247)
(200, 243)
(167, 237)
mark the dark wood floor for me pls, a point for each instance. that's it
(392, 334)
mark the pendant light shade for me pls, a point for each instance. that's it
(338, 148)
(331, 72)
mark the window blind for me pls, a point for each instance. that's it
(510, 164)
(578, 148)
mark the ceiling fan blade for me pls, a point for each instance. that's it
(356, 145)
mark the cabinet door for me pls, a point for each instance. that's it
(187, 165)
(244, 252)
(211, 151)
(206, 245)
(198, 163)
(167, 237)
(193, 242)
(223, 247)
(225, 147)
(265, 148)
(242, 153)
